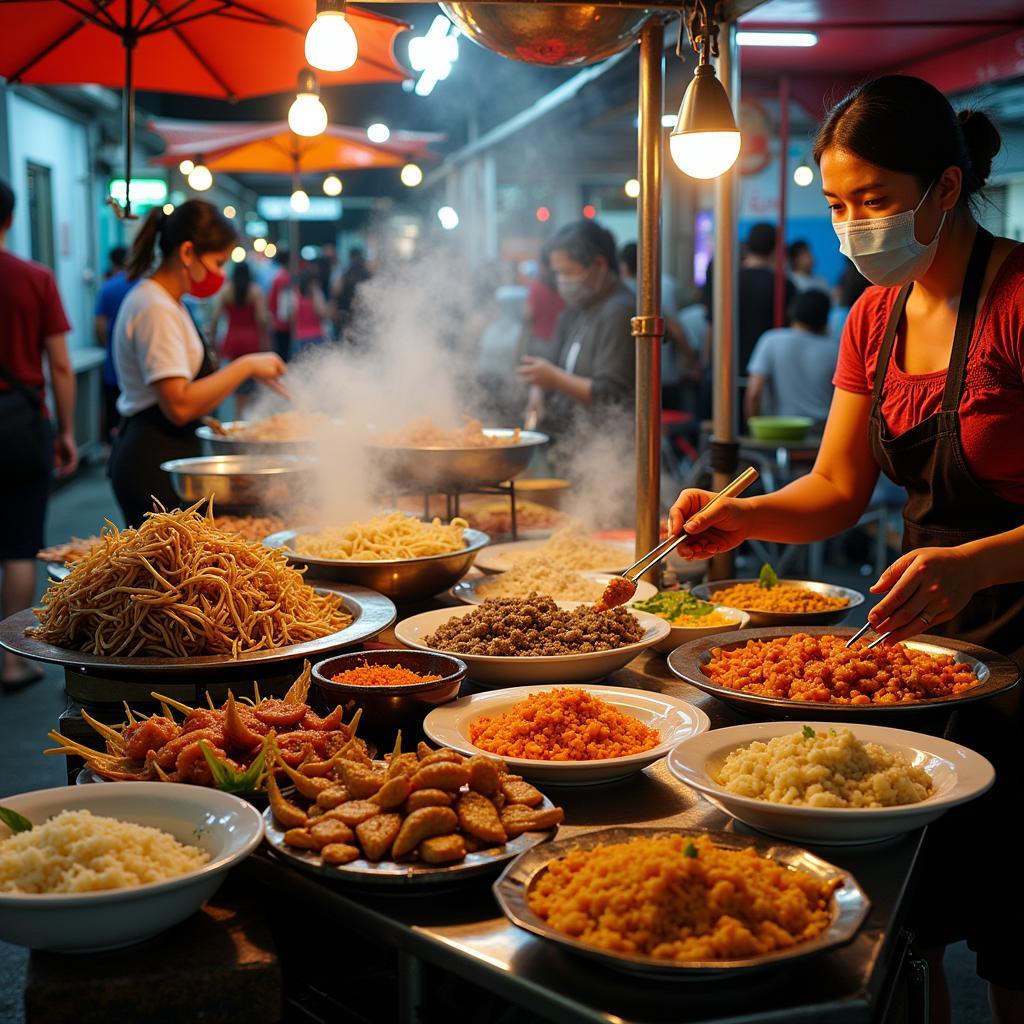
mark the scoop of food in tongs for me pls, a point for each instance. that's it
(621, 589)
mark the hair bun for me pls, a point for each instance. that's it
(983, 143)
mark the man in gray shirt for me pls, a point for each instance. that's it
(593, 374)
(795, 363)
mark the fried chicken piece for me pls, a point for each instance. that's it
(339, 853)
(404, 764)
(300, 839)
(355, 812)
(392, 793)
(516, 791)
(425, 823)
(427, 798)
(377, 834)
(443, 849)
(325, 833)
(518, 818)
(423, 750)
(484, 775)
(332, 797)
(444, 754)
(441, 775)
(479, 817)
(360, 781)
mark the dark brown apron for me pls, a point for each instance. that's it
(947, 506)
(145, 441)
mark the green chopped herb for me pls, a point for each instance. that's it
(671, 604)
(808, 733)
(832, 732)
(689, 850)
(14, 821)
(767, 578)
(227, 779)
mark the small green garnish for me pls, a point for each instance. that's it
(14, 821)
(689, 850)
(767, 578)
(227, 779)
(671, 604)
(808, 733)
(832, 732)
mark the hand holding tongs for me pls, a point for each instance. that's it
(880, 639)
(622, 588)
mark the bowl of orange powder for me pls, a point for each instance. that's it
(569, 735)
(390, 686)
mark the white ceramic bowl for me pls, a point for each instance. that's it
(958, 775)
(468, 590)
(675, 720)
(528, 669)
(501, 557)
(226, 827)
(680, 635)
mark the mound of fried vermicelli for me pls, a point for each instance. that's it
(179, 587)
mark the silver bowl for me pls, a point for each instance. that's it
(403, 580)
(455, 469)
(241, 483)
(707, 591)
(221, 444)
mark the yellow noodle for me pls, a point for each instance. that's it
(383, 538)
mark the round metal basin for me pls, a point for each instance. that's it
(228, 444)
(241, 483)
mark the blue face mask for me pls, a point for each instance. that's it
(885, 250)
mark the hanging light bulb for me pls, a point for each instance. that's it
(803, 175)
(230, 212)
(331, 44)
(411, 175)
(332, 185)
(259, 244)
(307, 115)
(186, 166)
(238, 254)
(705, 141)
(271, 251)
(378, 132)
(632, 188)
(299, 201)
(200, 178)
(448, 217)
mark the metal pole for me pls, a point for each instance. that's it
(724, 450)
(780, 237)
(648, 326)
(128, 103)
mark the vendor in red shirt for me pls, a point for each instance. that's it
(32, 328)
(930, 391)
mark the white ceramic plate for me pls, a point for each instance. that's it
(958, 775)
(680, 635)
(226, 827)
(468, 591)
(675, 719)
(501, 557)
(529, 669)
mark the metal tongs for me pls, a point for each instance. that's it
(616, 595)
(880, 639)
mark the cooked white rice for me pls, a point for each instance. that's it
(536, 576)
(830, 769)
(77, 851)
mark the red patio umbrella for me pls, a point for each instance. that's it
(230, 49)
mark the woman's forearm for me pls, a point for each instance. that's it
(577, 388)
(183, 401)
(998, 559)
(810, 508)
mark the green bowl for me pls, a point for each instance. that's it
(780, 428)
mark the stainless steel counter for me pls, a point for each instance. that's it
(461, 932)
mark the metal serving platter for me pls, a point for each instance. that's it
(405, 579)
(850, 904)
(371, 613)
(390, 874)
(707, 591)
(240, 483)
(457, 469)
(220, 444)
(997, 674)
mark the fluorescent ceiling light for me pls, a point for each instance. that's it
(747, 38)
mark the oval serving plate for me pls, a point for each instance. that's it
(997, 674)
(850, 905)
(675, 720)
(468, 591)
(501, 557)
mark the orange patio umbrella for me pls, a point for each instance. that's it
(229, 49)
(272, 148)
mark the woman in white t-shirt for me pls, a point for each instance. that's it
(168, 375)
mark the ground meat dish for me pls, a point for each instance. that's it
(821, 669)
(534, 626)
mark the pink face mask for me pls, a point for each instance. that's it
(208, 285)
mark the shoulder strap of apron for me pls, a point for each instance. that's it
(956, 375)
(889, 340)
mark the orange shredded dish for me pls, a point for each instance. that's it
(563, 725)
(381, 675)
